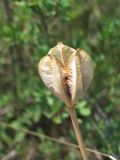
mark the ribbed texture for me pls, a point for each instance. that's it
(66, 72)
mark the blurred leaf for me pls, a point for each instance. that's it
(83, 108)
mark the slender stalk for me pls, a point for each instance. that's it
(78, 133)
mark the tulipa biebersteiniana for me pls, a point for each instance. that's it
(68, 73)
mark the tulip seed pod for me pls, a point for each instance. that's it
(66, 72)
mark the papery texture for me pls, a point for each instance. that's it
(61, 52)
(52, 74)
(66, 72)
(86, 67)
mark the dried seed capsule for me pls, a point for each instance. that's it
(66, 72)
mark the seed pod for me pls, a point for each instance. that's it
(66, 72)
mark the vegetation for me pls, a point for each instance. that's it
(28, 30)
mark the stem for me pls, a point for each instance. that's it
(78, 133)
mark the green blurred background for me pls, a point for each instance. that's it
(28, 29)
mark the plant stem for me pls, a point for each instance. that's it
(78, 133)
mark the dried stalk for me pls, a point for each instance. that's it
(78, 133)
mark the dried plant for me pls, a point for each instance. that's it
(68, 73)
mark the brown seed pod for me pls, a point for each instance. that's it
(66, 72)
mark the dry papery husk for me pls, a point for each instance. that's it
(66, 72)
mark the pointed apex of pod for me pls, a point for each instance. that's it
(61, 52)
(66, 72)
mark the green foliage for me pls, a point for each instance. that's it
(83, 108)
(28, 30)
